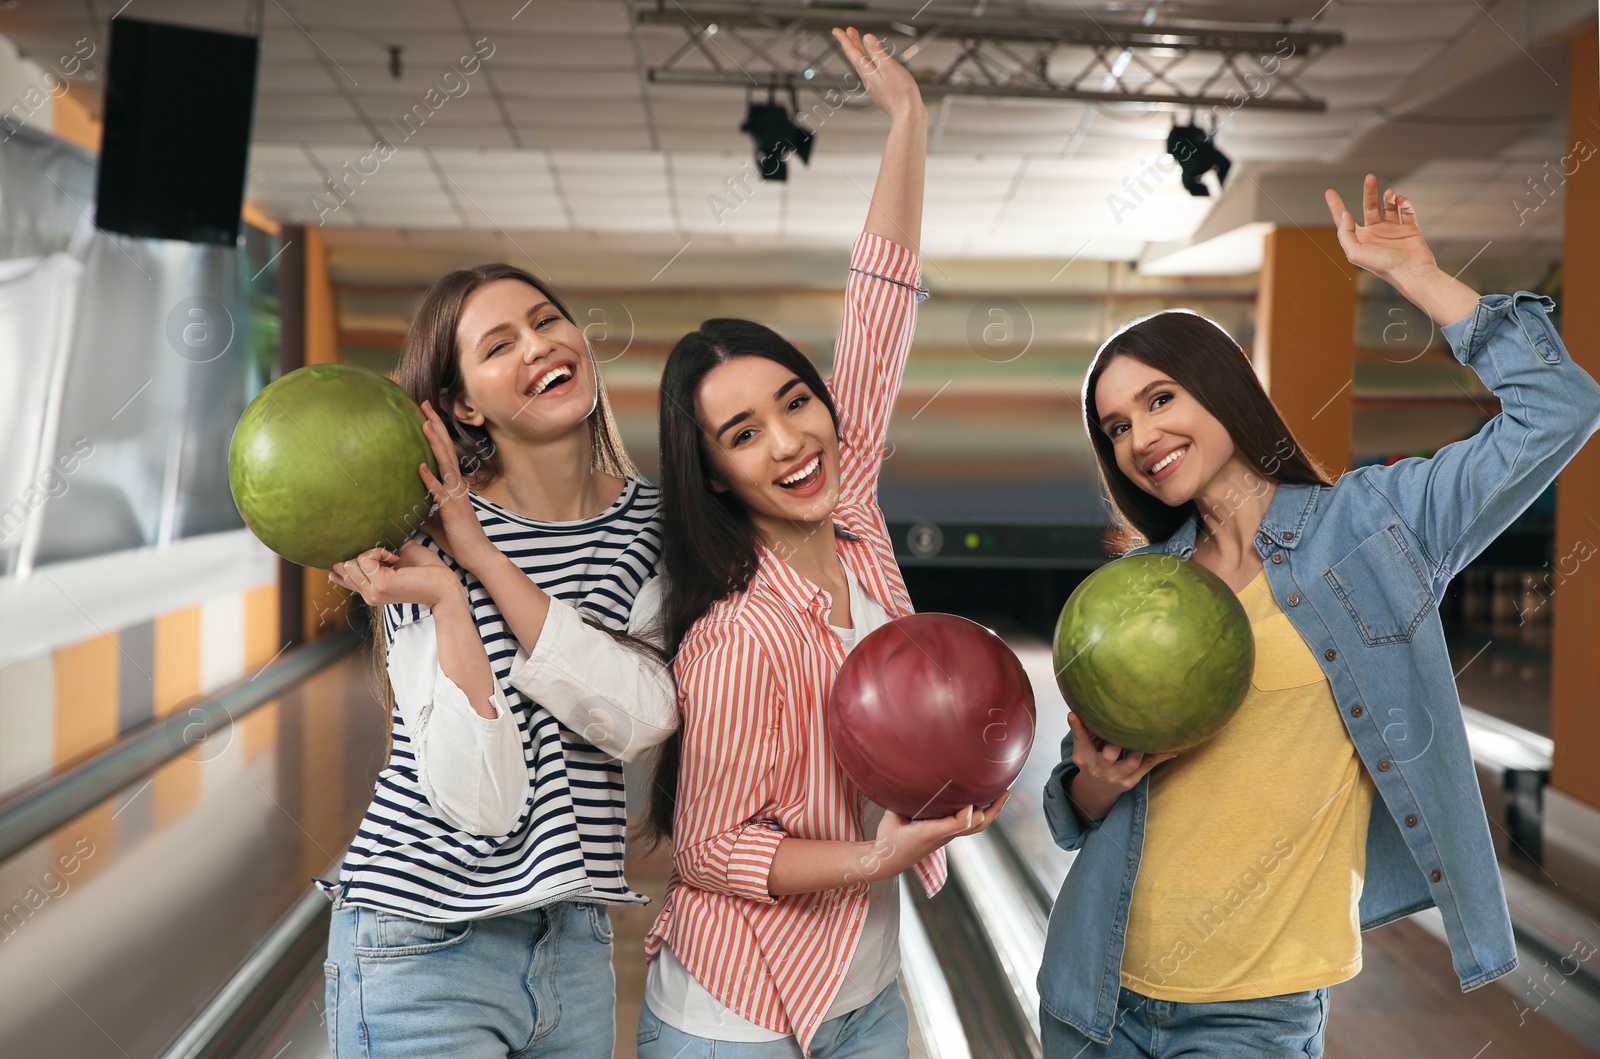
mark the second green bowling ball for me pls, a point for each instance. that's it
(1154, 652)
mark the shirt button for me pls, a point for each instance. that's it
(1434, 875)
(1288, 535)
(1357, 711)
(1330, 654)
(1383, 766)
(1277, 557)
(1411, 821)
(1294, 601)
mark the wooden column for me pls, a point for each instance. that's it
(291, 355)
(308, 606)
(1575, 622)
(325, 608)
(1304, 349)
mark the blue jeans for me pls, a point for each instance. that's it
(1290, 1026)
(878, 1030)
(533, 983)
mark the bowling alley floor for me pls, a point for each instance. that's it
(192, 869)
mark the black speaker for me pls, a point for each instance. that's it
(177, 131)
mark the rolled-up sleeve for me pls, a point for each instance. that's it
(1457, 502)
(1066, 828)
(724, 835)
(471, 768)
(880, 318)
(615, 696)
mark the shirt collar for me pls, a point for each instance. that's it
(788, 585)
(1283, 526)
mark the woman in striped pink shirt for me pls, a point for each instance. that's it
(779, 933)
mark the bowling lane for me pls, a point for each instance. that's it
(175, 880)
(1405, 1002)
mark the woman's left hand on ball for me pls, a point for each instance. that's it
(413, 575)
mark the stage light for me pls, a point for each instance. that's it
(1196, 156)
(776, 136)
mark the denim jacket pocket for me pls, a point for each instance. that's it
(1383, 587)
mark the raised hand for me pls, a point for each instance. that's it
(1390, 245)
(454, 526)
(890, 84)
(414, 575)
(1388, 242)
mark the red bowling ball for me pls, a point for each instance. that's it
(930, 714)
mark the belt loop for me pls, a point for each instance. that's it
(340, 891)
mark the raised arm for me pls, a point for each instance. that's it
(882, 290)
(896, 210)
(1462, 498)
(615, 696)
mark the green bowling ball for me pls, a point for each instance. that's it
(323, 465)
(1154, 652)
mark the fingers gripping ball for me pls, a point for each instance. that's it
(323, 465)
(930, 714)
(1154, 652)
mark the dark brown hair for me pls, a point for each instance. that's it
(1204, 359)
(708, 543)
(430, 370)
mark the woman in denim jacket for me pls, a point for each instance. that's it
(1267, 849)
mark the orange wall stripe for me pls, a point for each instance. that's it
(86, 697)
(260, 627)
(177, 654)
(73, 123)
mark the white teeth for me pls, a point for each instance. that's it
(557, 375)
(802, 472)
(1168, 459)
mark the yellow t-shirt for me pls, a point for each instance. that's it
(1255, 841)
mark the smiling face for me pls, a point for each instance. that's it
(770, 441)
(525, 368)
(1164, 439)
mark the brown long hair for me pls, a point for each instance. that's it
(1204, 359)
(430, 370)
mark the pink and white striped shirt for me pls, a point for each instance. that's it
(753, 680)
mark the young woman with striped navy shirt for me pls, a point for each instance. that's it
(469, 914)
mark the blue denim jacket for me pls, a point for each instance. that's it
(1359, 568)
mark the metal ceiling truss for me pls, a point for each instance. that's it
(998, 57)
